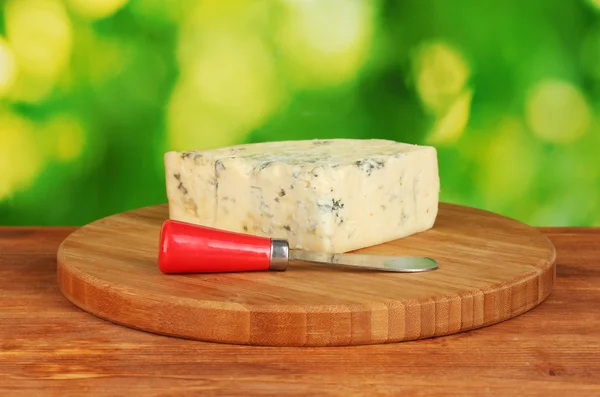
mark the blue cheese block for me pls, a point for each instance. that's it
(333, 195)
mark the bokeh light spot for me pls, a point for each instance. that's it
(20, 159)
(66, 136)
(237, 75)
(594, 3)
(107, 57)
(509, 163)
(96, 9)
(324, 43)
(229, 82)
(193, 124)
(441, 74)
(557, 111)
(206, 20)
(8, 67)
(449, 128)
(40, 35)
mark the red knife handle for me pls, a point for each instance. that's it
(190, 248)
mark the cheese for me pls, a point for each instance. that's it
(332, 196)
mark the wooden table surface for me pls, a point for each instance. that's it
(50, 347)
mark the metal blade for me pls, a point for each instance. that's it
(402, 264)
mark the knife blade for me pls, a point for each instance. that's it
(401, 264)
(192, 248)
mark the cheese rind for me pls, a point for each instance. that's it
(333, 195)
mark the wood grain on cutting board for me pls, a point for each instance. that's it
(491, 269)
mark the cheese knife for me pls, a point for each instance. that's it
(191, 248)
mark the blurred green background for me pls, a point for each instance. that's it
(93, 92)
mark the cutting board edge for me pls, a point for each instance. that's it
(545, 277)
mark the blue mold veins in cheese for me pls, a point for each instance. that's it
(333, 195)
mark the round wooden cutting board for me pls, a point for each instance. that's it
(491, 269)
